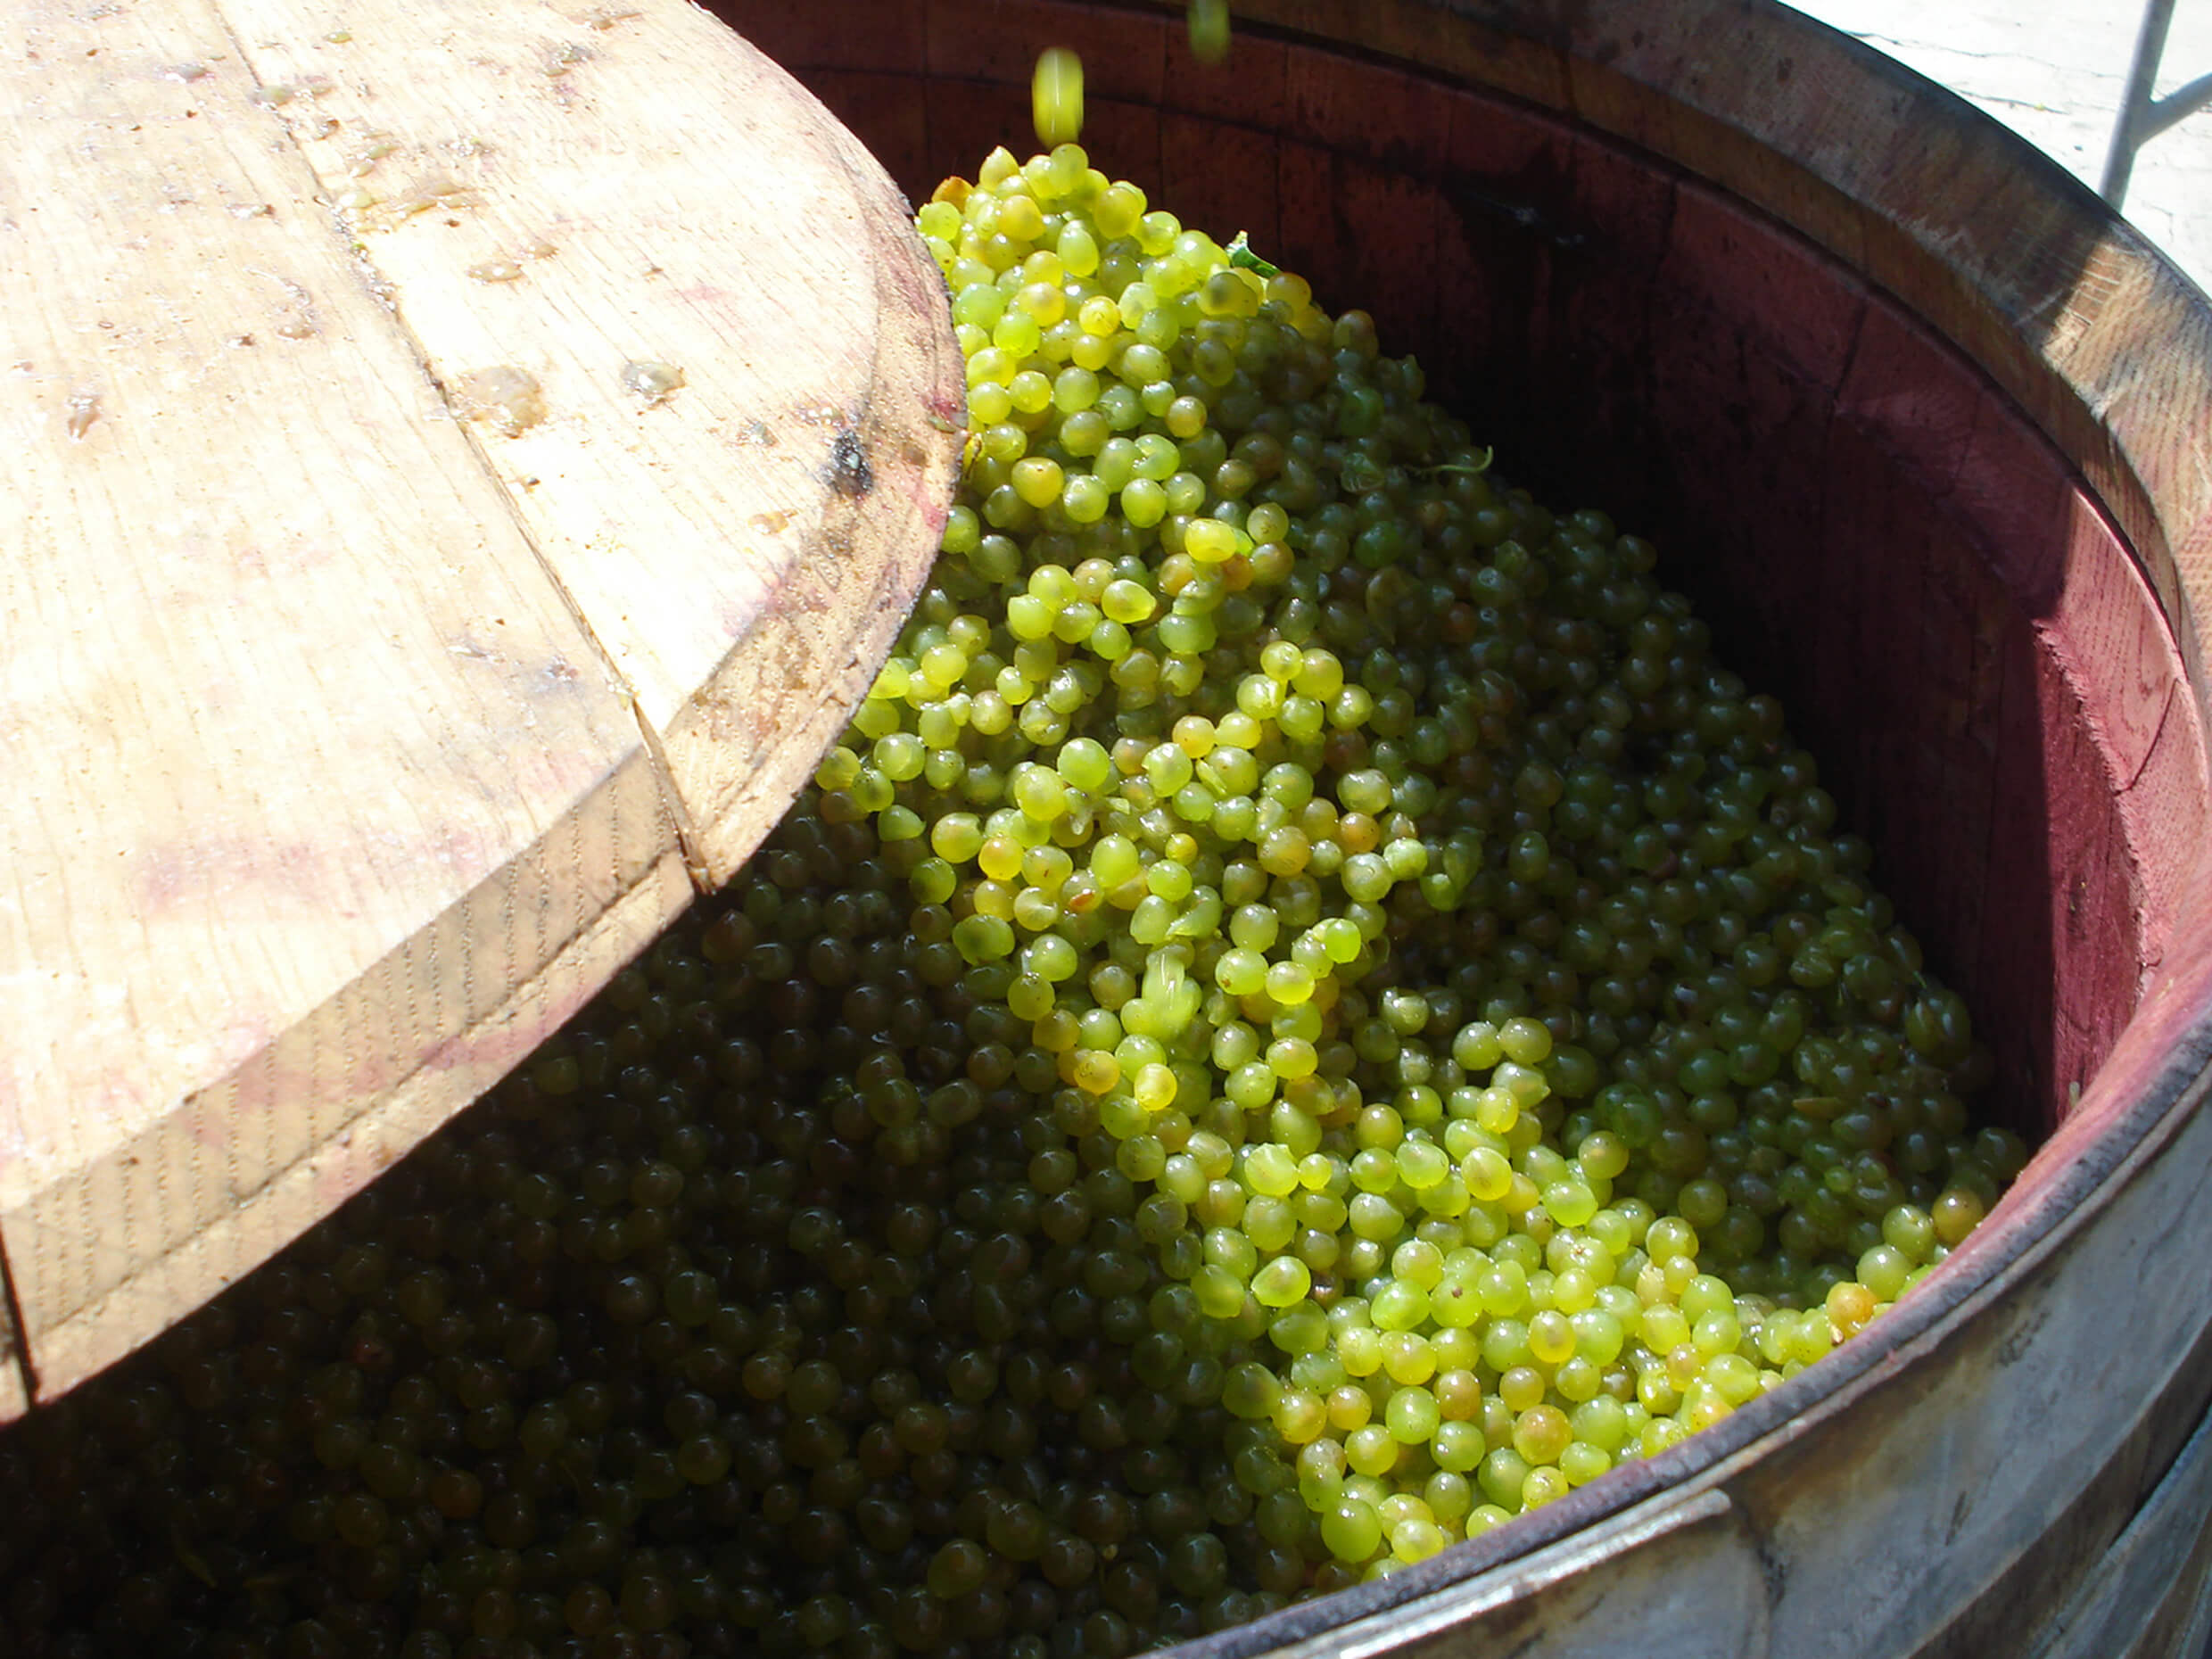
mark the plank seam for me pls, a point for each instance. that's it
(26, 1368)
(679, 810)
(364, 263)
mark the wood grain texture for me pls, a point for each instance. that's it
(2163, 1562)
(570, 194)
(351, 741)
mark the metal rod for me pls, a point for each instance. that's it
(2129, 132)
(2175, 106)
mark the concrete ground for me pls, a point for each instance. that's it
(2055, 71)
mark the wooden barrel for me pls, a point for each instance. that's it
(1928, 433)
(439, 527)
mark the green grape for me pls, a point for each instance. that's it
(1413, 1416)
(1056, 95)
(1209, 30)
(1350, 1531)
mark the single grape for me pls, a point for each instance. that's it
(1056, 97)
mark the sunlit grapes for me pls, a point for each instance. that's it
(1506, 961)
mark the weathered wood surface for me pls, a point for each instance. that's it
(389, 645)
(2150, 1595)
(1926, 431)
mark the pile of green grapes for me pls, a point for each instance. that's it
(1306, 1017)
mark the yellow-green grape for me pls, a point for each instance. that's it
(1209, 30)
(1056, 97)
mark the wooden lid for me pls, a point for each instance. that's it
(457, 472)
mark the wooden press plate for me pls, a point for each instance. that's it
(387, 645)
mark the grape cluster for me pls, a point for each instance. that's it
(1463, 957)
(1305, 1017)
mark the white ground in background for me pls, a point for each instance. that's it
(2055, 71)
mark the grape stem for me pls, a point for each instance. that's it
(1458, 468)
(1242, 258)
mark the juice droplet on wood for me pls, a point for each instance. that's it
(84, 408)
(508, 398)
(651, 381)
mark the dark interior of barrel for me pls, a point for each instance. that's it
(1874, 530)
